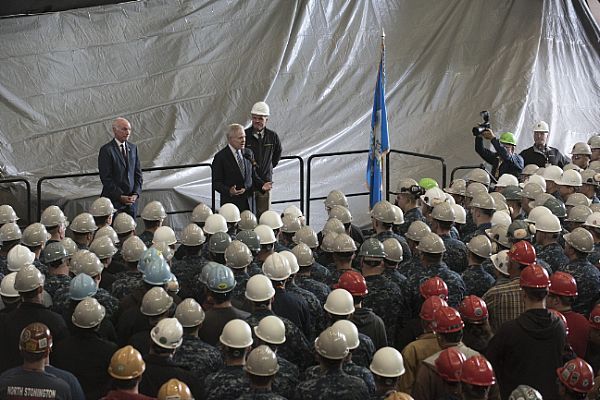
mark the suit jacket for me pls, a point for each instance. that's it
(226, 173)
(120, 178)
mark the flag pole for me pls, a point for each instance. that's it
(383, 169)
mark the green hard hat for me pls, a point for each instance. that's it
(508, 138)
(428, 183)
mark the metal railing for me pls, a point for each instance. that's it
(301, 176)
(150, 169)
(28, 186)
(463, 167)
(411, 153)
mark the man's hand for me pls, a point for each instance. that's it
(267, 186)
(488, 134)
(236, 192)
(128, 200)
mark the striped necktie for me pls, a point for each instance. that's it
(240, 162)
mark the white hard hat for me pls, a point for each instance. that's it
(350, 331)
(7, 214)
(332, 344)
(102, 207)
(292, 261)
(124, 223)
(7, 287)
(460, 214)
(540, 180)
(541, 126)
(328, 242)
(308, 236)
(593, 220)
(339, 302)
(537, 212)
(238, 255)
(18, 257)
(270, 329)
(103, 247)
(259, 288)
(154, 211)
(265, 234)
(594, 141)
(200, 213)
(35, 235)
(548, 223)
(343, 243)
(236, 334)
(501, 218)
(393, 250)
(164, 234)
(192, 235)
(507, 180)
(478, 175)
(168, 333)
(189, 313)
(83, 223)
(132, 249)
(87, 263)
(570, 178)
(304, 255)
(53, 216)
(333, 225)
(552, 173)
(341, 213)
(261, 108)
(481, 246)
(155, 302)
(276, 267)
(230, 212)
(28, 278)
(248, 221)
(215, 223)
(271, 218)
(88, 313)
(9, 232)
(581, 148)
(293, 211)
(109, 232)
(500, 261)
(387, 362)
(262, 361)
(433, 196)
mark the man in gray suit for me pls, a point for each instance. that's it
(120, 170)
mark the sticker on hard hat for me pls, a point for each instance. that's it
(478, 312)
(42, 343)
(520, 234)
(222, 285)
(596, 319)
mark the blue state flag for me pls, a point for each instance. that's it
(379, 144)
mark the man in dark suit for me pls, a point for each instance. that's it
(120, 171)
(232, 174)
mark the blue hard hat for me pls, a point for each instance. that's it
(82, 286)
(147, 256)
(220, 279)
(208, 267)
(157, 272)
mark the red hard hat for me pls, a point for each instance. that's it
(447, 320)
(434, 286)
(449, 364)
(473, 309)
(430, 306)
(478, 371)
(522, 252)
(563, 284)
(562, 317)
(595, 317)
(353, 282)
(577, 375)
(534, 276)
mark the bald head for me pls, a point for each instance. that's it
(121, 129)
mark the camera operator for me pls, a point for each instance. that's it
(503, 160)
(540, 153)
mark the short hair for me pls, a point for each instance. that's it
(233, 128)
(116, 121)
(535, 294)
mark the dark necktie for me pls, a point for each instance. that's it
(124, 152)
(240, 162)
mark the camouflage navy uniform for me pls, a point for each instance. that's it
(394, 275)
(410, 268)
(454, 234)
(386, 300)
(55, 282)
(588, 284)
(3, 267)
(63, 300)
(412, 215)
(185, 270)
(468, 228)
(455, 255)
(479, 230)
(238, 297)
(296, 347)
(351, 369)
(456, 286)
(363, 354)
(198, 356)
(253, 269)
(554, 255)
(228, 383)
(260, 394)
(335, 274)
(317, 288)
(147, 237)
(594, 256)
(319, 273)
(317, 314)
(41, 266)
(287, 379)
(333, 384)
(477, 280)
(488, 267)
(126, 282)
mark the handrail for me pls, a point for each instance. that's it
(412, 153)
(309, 176)
(79, 175)
(28, 186)
(480, 166)
(301, 199)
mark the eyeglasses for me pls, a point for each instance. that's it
(372, 263)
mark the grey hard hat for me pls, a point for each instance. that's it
(432, 244)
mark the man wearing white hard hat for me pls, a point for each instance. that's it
(540, 153)
(266, 147)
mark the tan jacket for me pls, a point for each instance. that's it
(425, 346)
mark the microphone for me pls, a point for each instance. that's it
(248, 156)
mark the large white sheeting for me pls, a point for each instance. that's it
(182, 70)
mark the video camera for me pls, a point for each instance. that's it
(478, 130)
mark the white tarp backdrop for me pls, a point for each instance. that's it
(180, 71)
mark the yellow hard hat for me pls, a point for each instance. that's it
(174, 389)
(127, 363)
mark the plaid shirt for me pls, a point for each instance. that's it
(504, 302)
